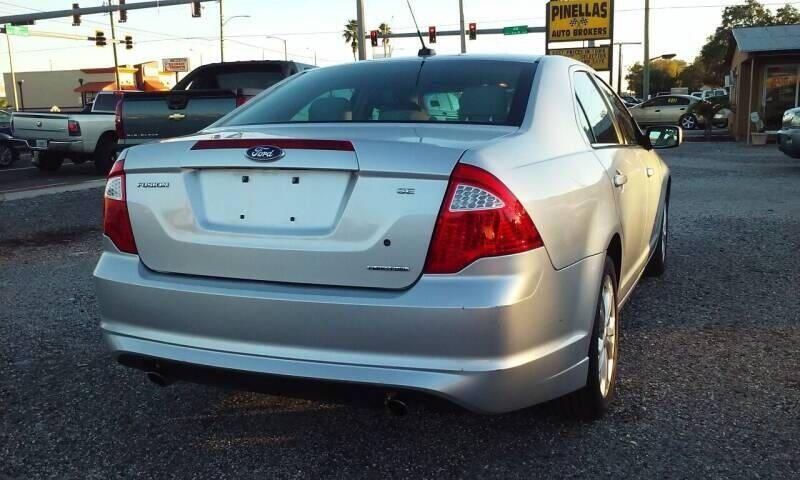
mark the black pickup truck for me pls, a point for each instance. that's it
(198, 100)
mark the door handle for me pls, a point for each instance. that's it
(177, 116)
(682, 109)
(620, 179)
(656, 111)
(650, 172)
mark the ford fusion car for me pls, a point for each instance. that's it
(466, 227)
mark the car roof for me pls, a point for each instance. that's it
(465, 56)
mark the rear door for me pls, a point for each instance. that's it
(673, 110)
(625, 168)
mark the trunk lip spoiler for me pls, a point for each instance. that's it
(285, 143)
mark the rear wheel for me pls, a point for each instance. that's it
(688, 121)
(593, 400)
(7, 155)
(49, 162)
(105, 154)
(658, 262)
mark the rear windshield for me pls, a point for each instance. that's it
(457, 91)
(105, 102)
(258, 77)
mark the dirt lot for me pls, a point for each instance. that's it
(709, 381)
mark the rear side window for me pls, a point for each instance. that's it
(414, 91)
(598, 115)
(105, 102)
(623, 118)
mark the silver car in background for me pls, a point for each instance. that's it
(463, 226)
(668, 110)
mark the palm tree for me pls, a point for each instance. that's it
(384, 30)
(350, 35)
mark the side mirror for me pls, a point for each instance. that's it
(664, 136)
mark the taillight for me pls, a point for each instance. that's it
(116, 221)
(241, 100)
(118, 120)
(479, 217)
(74, 128)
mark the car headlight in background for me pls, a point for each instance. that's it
(795, 121)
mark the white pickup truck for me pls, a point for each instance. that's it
(80, 136)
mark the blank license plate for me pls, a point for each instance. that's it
(41, 143)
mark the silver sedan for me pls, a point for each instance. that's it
(466, 227)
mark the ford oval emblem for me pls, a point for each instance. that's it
(265, 153)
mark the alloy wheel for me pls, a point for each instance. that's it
(688, 122)
(607, 338)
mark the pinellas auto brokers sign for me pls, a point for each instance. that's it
(576, 20)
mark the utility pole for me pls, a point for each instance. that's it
(221, 35)
(461, 22)
(13, 75)
(646, 62)
(114, 47)
(619, 64)
(362, 47)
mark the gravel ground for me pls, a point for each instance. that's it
(709, 385)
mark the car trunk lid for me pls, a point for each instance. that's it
(343, 207)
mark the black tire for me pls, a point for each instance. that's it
(105, 154)
(7, 155)
(658, 262)
(590, 402)
(49, 162)
(688, 122)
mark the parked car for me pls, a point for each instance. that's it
(81, 136)
(789, 134)
(198, 100)
(630, 99)
(10, 148)
(668, 109)
(336, 231)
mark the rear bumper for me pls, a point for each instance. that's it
(490, 343)
(65, 146)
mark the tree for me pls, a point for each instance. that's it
(714, 54)
(692, 76)
(664, 74)
(383, 30)
(350, 35)
(787, 15)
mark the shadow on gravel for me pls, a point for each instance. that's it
(40, 239)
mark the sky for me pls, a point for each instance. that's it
(314, 27)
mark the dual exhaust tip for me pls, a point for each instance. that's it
(393, 404)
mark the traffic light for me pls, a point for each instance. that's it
(123, 14)
(473, 31)
(128, 42)
(196, 10)
(99, 38)
(76, 19)
(431, 34)
(373, 38)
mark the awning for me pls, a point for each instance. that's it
(154, 86)
(100, 87)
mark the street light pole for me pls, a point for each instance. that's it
(646, 61)
(285, 50)
(13, 74)
(619, 64)
(362, 47)
(221, 34)
(461, 22)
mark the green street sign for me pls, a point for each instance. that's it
(20, 30)
(515, 30)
